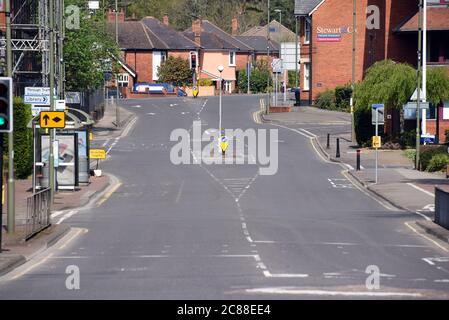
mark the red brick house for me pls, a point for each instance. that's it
(326, 42)
(145, 44)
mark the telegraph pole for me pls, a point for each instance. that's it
(52, 99)
(354, 26)
(418, 86)
(11, 183)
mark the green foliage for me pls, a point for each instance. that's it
(292, 79)
(446, 133)
(437, 85)
(326, 100)
(258, 79)
(410, 154)
(408, 139)
(386, 82)
(205, 82)
(176, 71)
(23, 140)
(428, 152)
(438, 162)
(343, 97)
(85, 49)
(250, 12)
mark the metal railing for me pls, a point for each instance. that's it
(442, 208)
(38, 213)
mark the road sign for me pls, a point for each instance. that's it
(37, 109)
(37, 91)
(377, 142)
(41, 100)
(97, 154)
(52, 119)
(378, 109)
(277, 65)
(224, 143)
(60, 105)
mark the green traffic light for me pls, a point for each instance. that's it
(2, 121)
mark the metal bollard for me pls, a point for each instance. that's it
(337, 155)
(328, 144)
(358, 159)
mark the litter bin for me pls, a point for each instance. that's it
(297, 97)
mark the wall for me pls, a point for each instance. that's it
(142, 63)
(212, 59)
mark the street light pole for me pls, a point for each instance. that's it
(11, 183)
(220, 69)
(268, 59)
(117, 111)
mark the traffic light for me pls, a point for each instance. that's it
(6, 104)
(193, 60)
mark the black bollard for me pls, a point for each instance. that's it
(337, 155)
(358, 159)
(328, 145)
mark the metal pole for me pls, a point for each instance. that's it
(354, 25)
(117, 111)
(249, 78)
(337, 152)
(52, 99)
(296, 53)
(60, 49)
(1, 184)
(424, 69)
(377, 149)
(219, 111)
(34, 156)
(116, 21)
(418, 86)
(11, 183)
(268, 59)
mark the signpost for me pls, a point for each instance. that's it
(377, 141)
(224, 143)
(52, 120)
(99, 154)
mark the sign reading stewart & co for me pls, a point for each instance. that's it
(332, 34)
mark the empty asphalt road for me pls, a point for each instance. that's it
(197, 231)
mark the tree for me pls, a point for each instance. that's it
(85, 50)
(437, 85)
(23, 140)
(175, 71)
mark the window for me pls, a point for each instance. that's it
(232, 58)
(306, 76)
(446, 110)
(123, 80)
(306, 31)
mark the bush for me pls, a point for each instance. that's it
(408, 139)
(428, 152)
(326, 100)
(363, 126)
(343, 97)
(23, 140)
(438, 162)
(175, 71)
(242, 81)
(205, 82)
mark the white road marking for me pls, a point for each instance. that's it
(268, 274)
(292, 291)
(426, 237)
(66, 216)
(421, 189)
(309, 133)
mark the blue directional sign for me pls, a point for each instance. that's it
(378, 106)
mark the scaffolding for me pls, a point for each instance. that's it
(30, 43)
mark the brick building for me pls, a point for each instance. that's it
(326, 28)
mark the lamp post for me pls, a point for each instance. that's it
(280, 17)
(268, 59)
(220, 69)
(354, 28)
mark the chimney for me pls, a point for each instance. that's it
(235, 26)
(120, 18)
(166, 20)
(197, 27)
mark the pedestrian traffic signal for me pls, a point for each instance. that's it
(6, 104)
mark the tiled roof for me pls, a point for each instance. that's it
(213, 37)
(437, 20)
(304, 7)
(285, 34)
(259, 44)
(172, 39)
(150, 34)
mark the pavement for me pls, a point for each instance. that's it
(16, 250)
(225, 231)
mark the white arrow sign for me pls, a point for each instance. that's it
(42, 100)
